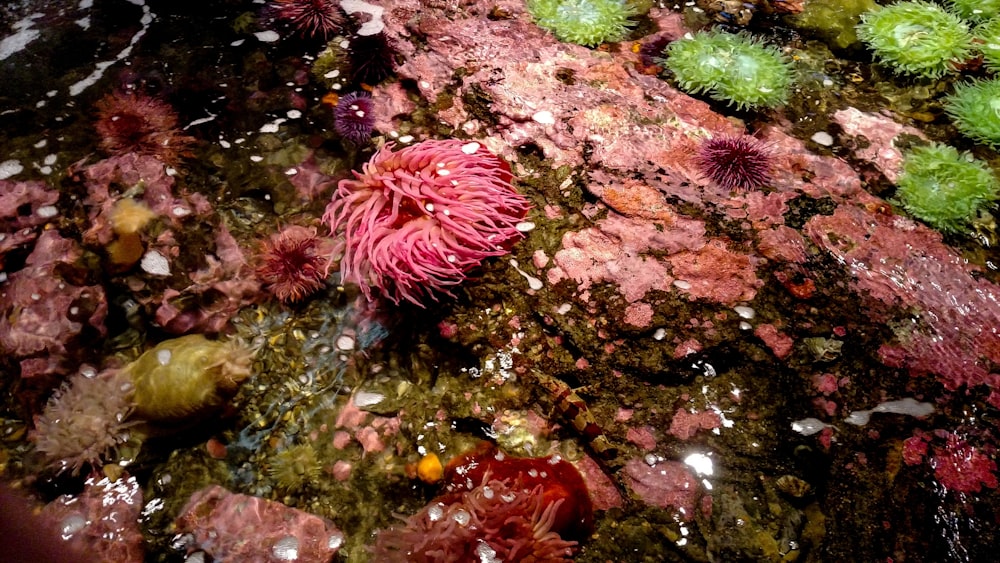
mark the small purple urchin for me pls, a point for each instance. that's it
(353, 119)
(415, 221)
(736, 163)
(311, 18)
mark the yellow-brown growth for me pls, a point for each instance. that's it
(187, 377)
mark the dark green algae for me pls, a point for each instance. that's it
(300, 387)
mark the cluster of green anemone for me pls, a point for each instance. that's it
(584, 22)
(731, 67)
(920, 38)
(939, 185)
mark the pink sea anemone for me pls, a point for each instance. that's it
(130, 122)
(495, 521)
(417, 220)
(736, 163)
(293, 263)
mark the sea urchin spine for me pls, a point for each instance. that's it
(735, 163)
(293, 263)
(311, 18)
(353, 118)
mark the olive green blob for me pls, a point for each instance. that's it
(832, 20)
(186, 377)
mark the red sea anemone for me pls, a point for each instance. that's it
(130, 122)
(311, 18)
(293, 263)
(417, 220)
(735, 163)
(496, 521)
(353, 118)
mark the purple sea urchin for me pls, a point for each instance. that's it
(735, 163)
(311, 18)
(353, 118)
(373, 59)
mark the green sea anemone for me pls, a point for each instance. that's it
(976, 10)
(730, 67)
(916, 38)
(988, 35)
(945, 188)
(584, 22)
(294, 468)
(975, 109)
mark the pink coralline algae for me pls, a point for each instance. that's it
(621, 250)
(204, 299)
(415, 221)
(293, 263)
(495, 521)
(23, 206)
(107, 181)
(103, 520)
(214, 294)
(85, 420)
(780, 343)
(962, 468)
(666, 484)
(879, 133)
(132, 122)
(958, 465)
(716, 273)
(234, 527)
(899, 263)
(685, 425)
(42, 312)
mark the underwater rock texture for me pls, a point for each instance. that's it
(668, 277)
(234, 527)
(103, 520)
(46, 307)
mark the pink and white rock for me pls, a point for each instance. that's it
(235, 527)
